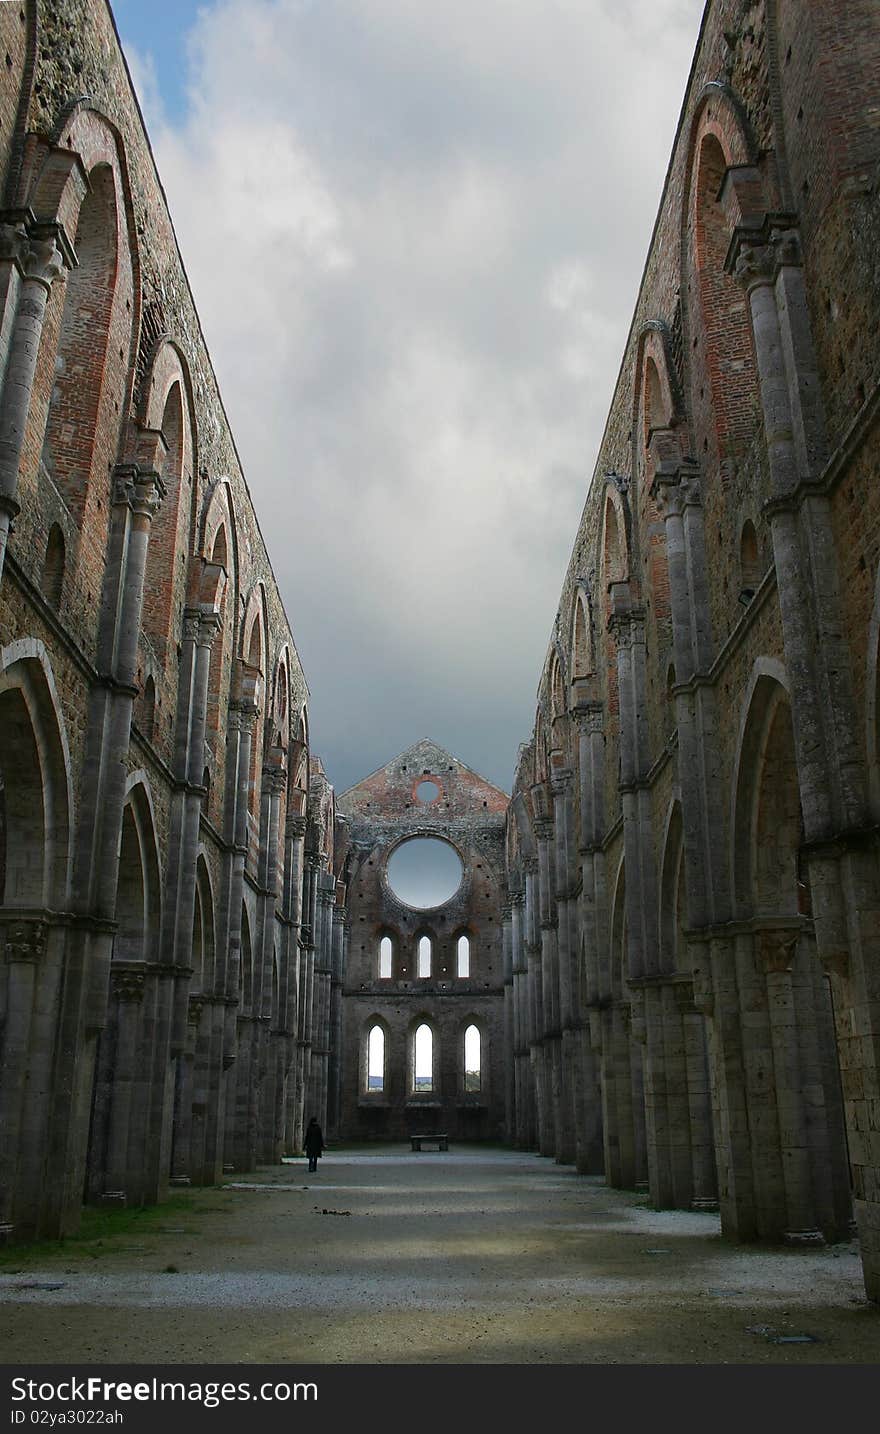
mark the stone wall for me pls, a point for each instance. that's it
(375, 817)
(163, 827)
(692, 835)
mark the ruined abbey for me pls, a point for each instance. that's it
(659, 957)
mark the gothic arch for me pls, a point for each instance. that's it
(673, 956)
(36, 790)
(618, 951)
(723, 384)
(373, 1022)
(87, 356)
(139, 886)
(417, 1050)
(766, 824)
(872, 705)
(581, 661)
(203, 978)
(167, 409)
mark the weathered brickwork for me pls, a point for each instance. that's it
(692, 831)
(164, 830)
(375, 818)
(672, 925)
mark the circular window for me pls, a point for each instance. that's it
(424, 872)
(427, 791)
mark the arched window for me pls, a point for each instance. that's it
(145, 712)
(463, 956)
(53, 567)
(424, 955)
(582, 660)
(472, 1060)
(80, 364)
(749, 563)
(376, 1059)
(423, 1060)
(385, 953)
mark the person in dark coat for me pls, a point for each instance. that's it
(313, 1143)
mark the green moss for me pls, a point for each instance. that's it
(106, 1232)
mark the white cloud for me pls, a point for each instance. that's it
(415, 234)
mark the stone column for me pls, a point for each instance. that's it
(337, 969)
(32, 256)
(509, 1047)
(199, 630)
(296, 832)
(828, 742)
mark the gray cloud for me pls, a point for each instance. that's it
(415, 234)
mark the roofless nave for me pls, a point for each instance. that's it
(670, 957)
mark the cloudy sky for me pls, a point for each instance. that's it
(415, 233)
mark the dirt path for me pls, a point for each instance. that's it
(467, 1257)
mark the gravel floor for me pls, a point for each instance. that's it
(471, 1256)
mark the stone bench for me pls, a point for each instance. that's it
(441, 1141)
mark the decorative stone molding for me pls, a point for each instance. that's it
(141, 490)
(26, 940)
(195, 1006)
(757, 254)
(128, 986)
(703, 994)
(35, 249)
(776, 949)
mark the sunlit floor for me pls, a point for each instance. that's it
(471, 1256)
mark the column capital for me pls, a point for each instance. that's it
(675, 490)
(543, 828)
(628, 628)
(127, 985)
(40, 251)
(200, 626)
(758, 252)
(589, 716)
(274, 779)
(26, 940)
(776, 949)
(141, 490)
(296, 827)
(560, 780)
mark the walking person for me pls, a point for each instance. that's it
(313, 1143)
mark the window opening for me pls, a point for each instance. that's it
(464, 956)
(472, 1059)
(376, 1059)
(423, 1075)
(424, 955)
(385, 958)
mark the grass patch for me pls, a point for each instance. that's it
(103, 1232)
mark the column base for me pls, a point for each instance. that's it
(803, 1238)
(710, 1206)
(179, 1180)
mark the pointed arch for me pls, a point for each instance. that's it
(87, 347)
(53, 567)
(203, 978)
(581, 660)
(246, 970)
(375, 1041)
(167, 410)
(423, 1057)
(767, 823)
(618, 951)
(723, 188)
(36, 789)
(673, 956)
(138, 887)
